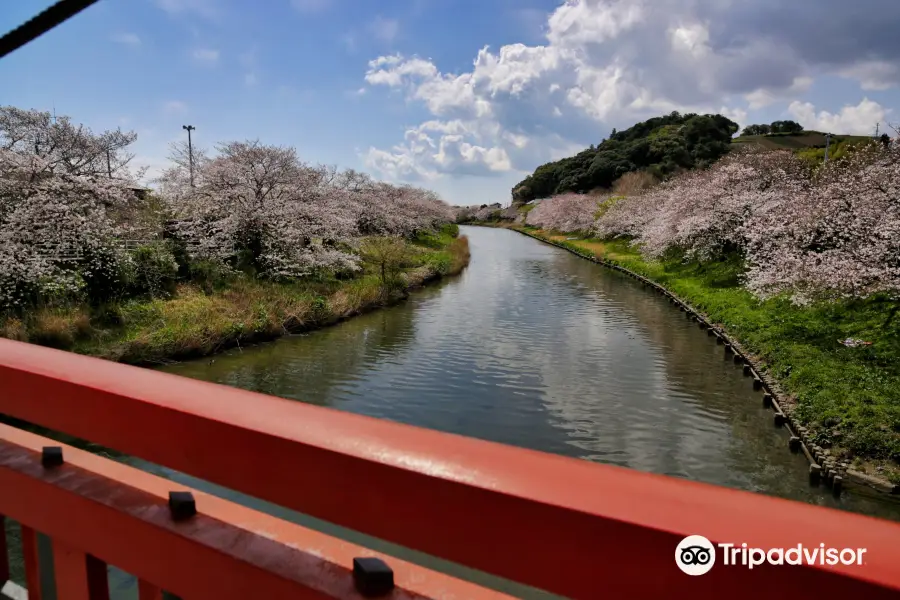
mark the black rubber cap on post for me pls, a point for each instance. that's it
(51, 456)
(182, 505)
(794, 443)
(372, 576)
(779, 420)
(767, 401)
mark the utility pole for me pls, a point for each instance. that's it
(827, 143)
(189, 129)
(877, 125)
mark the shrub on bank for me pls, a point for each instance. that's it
(238, 310)
(155, 271)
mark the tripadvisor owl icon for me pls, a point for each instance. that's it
(695, 555)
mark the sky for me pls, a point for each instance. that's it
(465, 97)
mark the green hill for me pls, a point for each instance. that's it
(662, 145)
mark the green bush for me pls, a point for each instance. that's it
(428, 238)
(209, 274)
(155, 270)
(107, 274)
(438, 262)
(451, 229)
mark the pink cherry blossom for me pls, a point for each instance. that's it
(826, 232)
(566, 213)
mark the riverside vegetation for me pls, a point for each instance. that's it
(256, 244)
(798, 260)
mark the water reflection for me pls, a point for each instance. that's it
(535, 347)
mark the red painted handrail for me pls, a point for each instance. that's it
(98, 511)
(568, 526)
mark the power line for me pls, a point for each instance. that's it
(29, 31)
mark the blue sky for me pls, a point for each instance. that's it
(461, 96)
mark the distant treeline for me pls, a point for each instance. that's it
(775, 127)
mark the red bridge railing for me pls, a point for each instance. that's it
(567, 526)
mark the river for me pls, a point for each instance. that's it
(535, 347)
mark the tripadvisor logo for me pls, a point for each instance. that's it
(696, 555)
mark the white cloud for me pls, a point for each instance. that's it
(577, 23)
(206, 56)
(436, 147)
(175, 107)
(853, 120)
(127, 38)
(609, 63)
(250, 79)
(391, 70)
(385, 29)
(738, 115)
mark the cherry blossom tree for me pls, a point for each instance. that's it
(565, 213)
(64, 147)
(485, 214)
(839, 238)
(57, 237)
(701, 213)
(811, 233)
(386, 209)
(67, 209)
(286, 218)
(264, 203)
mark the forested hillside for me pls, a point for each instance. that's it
(661, 146)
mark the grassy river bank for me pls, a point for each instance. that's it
(242, 310)
(845, 395)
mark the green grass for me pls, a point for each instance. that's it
(803, 140)
(197, 322)
(849, 396)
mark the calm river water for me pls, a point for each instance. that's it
(535, 347)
